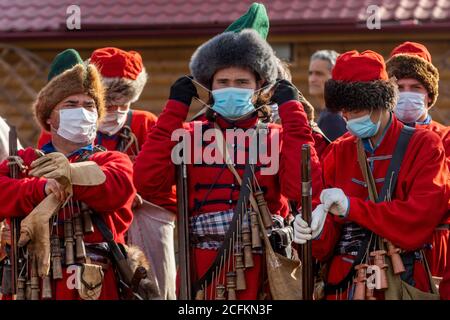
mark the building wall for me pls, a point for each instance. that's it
(168, 59)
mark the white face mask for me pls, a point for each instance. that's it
(78, 124)
(113, 122)
(410, 106)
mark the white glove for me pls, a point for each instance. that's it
(335, 201)
(302, 232)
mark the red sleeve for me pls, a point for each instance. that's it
(44, 138)
(323, 247)
(446, 142)
(320, 144)
(296, 132)
(422, 194)
(118, 188)
(154, 171)
(18, 197)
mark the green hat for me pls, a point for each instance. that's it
(255, 18)
(64, 61)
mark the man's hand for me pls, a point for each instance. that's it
(54, 165)
(284, 92)
(302, 232)
(183, 90)
(60, 191)
(335, 201)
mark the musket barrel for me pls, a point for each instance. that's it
(183, 233)
(15, 222)
(306, 249)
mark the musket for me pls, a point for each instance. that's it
(306, 249)
(15, 222)
(129, 279)
(183, 234)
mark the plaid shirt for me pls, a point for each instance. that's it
(207, 230)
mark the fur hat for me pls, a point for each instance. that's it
(230, 49)
(123, 74)
(78, 79)
(64, 61)
(360, 82)
(413, 60)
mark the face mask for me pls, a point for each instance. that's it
(77, 125)
(233, 103)
(363, 127)
(410, 106)
(113, 122)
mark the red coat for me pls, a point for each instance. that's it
(442, 131)
(154, 171)
(320, 144)
(141, 122)
(421, 196)
(437, 256)
(111, 199)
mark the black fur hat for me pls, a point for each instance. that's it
(356, 96)
(230, 49)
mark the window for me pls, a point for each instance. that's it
(284, 51)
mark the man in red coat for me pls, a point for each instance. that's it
(69, 107)
(233, 66)
(124, 77)
(342, 222)
(417, 79)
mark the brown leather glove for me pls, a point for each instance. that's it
(35, 232)
(55, 165)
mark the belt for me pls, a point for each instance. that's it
(196, 239)
(443, 226)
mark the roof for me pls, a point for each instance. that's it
(36, 18)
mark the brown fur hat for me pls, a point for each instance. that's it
(402, 66)
(79, 79)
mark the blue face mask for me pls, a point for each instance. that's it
(363, 127)
(233, 103)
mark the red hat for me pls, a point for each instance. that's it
(353, 66)
(360, 82)
(123, 74)
(413, 60)
(412, 48)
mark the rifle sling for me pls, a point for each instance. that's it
(116, 252)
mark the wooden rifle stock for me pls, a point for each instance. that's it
(306, 249)
(15, 222)
(183, 234)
